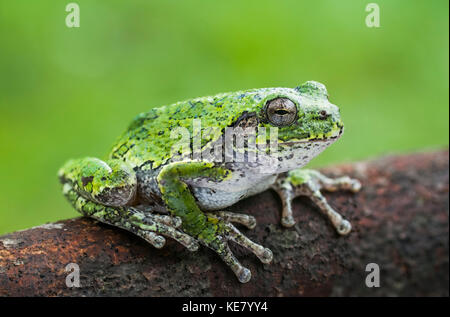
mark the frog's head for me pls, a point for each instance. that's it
(306, 121)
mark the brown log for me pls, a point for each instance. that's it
(400, 221)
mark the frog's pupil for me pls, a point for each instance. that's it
(281, 112)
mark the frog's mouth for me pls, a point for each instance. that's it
(332, 138)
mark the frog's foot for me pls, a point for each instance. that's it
(155, 239)
(309, 183)
(149, 226)
(243, 219)
(227, 232)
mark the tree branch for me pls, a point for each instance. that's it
(400, 221)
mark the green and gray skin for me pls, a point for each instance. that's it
(143, 188)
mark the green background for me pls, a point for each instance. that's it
(69, 92)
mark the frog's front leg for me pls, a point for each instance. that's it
(304, 182)
(212, 230)
(104, 191)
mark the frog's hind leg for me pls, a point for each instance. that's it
(148, 226)
(309, 183)
(102, 190)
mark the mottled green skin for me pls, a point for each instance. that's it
(141, 166)
(93, 176)
(180, 201)
(298, 176)
(147, 139)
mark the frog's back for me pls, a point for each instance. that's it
(147, 142)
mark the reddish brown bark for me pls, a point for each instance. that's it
(400, 221)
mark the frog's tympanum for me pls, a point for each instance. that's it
(151, 186)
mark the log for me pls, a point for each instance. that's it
(400, 222)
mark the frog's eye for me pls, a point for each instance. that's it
(281, 112)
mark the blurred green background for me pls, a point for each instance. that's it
(69, 92)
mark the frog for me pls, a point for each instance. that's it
(158, 188)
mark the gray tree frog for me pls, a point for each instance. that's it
(142, 188)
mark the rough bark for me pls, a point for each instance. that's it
(400, 221)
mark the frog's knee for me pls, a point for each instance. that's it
(111, 183)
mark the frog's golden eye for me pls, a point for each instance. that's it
(281, 112)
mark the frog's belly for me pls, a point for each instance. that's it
(213, 199)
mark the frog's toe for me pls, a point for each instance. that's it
(159, 242)
(174, 222)
(244, 275)
(154, 239)
(151, 224)
(190, 243)
(288, 221)
(223, 250)
(340, 183)
(266, 256)
(227, 232)
(192, 246)
(355, 185)
(243, 219)
(251, 224)
(344, 228)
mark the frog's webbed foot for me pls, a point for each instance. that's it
(309, 183)
(227, 232)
